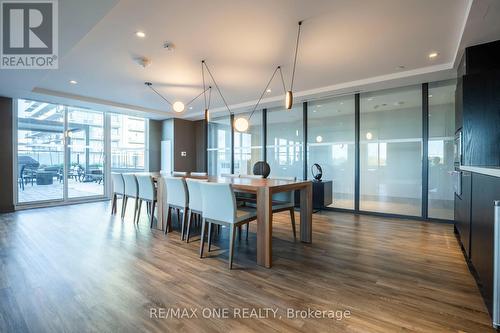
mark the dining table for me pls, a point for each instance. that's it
(263, 189)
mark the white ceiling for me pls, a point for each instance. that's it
(346, 45)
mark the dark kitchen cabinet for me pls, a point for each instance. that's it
(463, 212)
(485, 190)
(481, 119)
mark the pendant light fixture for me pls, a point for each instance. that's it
(289, 93)
(178, 106)
(204, 67)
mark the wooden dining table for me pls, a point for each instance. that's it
(264, 190)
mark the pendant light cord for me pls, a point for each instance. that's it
(150, 85)
(265, 89)
(202, 93)
(295, 58)
(217, 86)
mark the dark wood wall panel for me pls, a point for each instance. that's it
(463, 211)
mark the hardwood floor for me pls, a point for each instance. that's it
(76, 269)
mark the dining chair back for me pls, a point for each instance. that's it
(118, 189)
(218, 202)
(147, 192)
(147, 189)
(252, 176)
(199, 174)
(131, 186)
(195, 203)
(178, 198)
(230, 175)
(179, 173)
(285, 201)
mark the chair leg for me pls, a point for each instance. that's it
(113, 204)
(184, 217)
(292, 217)
(209, 236)
(202, 239)
(124, 206)
(178, 216)
(152, 213)
(169, 220)
(139, 211)
(248, 227)
(231, 245)
(190, 216)
(239, 232)
(135, 208)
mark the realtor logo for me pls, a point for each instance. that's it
(29, 35)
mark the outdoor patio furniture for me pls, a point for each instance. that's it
(44, 178)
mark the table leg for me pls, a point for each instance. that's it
(264, 227)
(306, 213)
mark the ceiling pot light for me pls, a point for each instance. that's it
(319, 139)
(140, 34)
(433, 55)
(369, 136)
(178, 106)
(288, 100)
(73, 82)
(268, 91)
(241, 124)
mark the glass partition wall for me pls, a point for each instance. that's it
(248, 145)
(378, 136)
(285, 141)
(61, 151)
(391, 151)
(330, 143)
(440, 147)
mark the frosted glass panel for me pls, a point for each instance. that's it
(219, 146)
(285, 141)
(441, 140)
(391, 151)
(330, 137)
(248, 145)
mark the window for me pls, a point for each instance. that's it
(391, 151)
(248, 145)
(330, 142)
(128, 143)
(441, 140)
(219, 146)
(285, 142)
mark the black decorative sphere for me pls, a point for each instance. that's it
(317, 172)
(261, 168)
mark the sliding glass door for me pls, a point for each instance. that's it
(40, 152)
(85, 153)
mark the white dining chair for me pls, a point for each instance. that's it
(252, 176)
(147, 193)
(219, 207)
(199, 174)
(230, 175)
(131, 191)
(118, 190)
(178, 198)
(195, 204)
(179, 174)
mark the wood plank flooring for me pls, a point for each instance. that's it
(77, 269)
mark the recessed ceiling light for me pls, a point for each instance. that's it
(73, 82)
(140, 34)
(268, 91)
(433, 55)
(430, 96)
